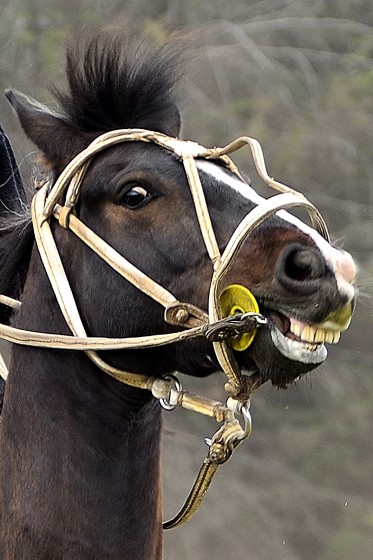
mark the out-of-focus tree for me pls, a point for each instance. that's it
(298, 76)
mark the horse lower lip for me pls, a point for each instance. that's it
(297, 350)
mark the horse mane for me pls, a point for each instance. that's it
(16, 236)
(115, 82)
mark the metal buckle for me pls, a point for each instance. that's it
(174, 385)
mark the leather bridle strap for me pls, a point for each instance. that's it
(121, 265)
(202, 211)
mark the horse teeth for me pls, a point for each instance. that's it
(313, 335)
(295, 328)
(337, 336)
(320, 335)
(311, 347)
(308, 334)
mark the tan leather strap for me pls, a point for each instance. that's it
(221, 447)
(117, 261)
(83, 343)
(256, 150)
(10, 302)
(202, 211)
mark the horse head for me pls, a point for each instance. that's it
(135, 195)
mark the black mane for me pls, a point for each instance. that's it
(115, 82)
(16, 235)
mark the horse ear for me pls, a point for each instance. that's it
(55, 137)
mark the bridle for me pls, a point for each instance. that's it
(217, 326)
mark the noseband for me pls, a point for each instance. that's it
(193, 321)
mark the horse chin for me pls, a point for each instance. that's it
(279, 359)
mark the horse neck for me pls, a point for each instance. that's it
(80, 452)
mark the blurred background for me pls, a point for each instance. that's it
(298, 76)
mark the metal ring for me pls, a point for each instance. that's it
(259, 318)
(243, 408)
(176, 385)
(247, 418)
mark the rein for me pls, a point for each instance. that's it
(217, 325)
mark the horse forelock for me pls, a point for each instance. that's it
(115, 82)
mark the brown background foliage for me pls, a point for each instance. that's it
(299, 77)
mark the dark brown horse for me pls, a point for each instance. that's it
(79, 451)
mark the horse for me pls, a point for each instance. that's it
(79, 449)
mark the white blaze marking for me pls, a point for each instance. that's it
(340, 262)
(231, 181)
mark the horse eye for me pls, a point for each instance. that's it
(135, 196)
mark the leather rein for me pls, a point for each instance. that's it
(193, 321)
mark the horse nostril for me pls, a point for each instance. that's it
(299, 265)
(303, 265)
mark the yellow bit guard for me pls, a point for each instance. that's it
(238, 299)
